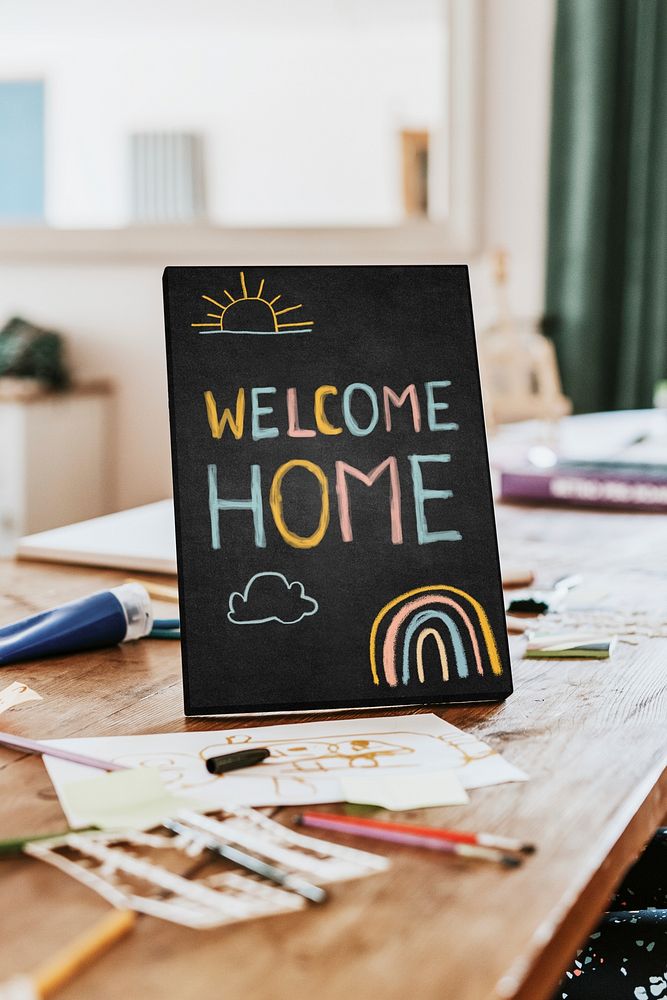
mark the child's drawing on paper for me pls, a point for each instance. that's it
(297, 767)
(306, 761)
(308, 756)
(178, 770)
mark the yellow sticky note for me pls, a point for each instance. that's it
(135, 799)
(404, 791)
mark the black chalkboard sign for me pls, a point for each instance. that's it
(334, 523)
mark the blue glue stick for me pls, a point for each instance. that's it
(103, 619)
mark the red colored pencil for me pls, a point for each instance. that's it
(393, 836)
(436, 833)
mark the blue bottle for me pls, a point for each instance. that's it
(103, 619)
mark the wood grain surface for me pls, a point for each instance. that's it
(591, 735)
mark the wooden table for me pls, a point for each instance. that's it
(591, 735)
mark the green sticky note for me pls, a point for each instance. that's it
(576, 653)
(353, 809)
(135, 799)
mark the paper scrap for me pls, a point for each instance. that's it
(126, 870)
(15, 694)
(405, 791)
(150, 872)
(307, 760)
(135, 799)
(566, 640)
(18, 988)
(566, 646)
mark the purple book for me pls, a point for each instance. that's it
(586, 486)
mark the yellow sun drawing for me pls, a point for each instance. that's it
(251, 314)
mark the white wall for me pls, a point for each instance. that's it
(517, 96)
(113, 313)
(300, 104)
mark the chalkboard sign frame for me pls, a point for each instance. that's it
(431, 303)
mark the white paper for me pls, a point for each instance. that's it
(135, 799)
(307, 759)
(405, 791)
(103, 862)
(16, 694)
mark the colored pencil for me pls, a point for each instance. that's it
(34, 746)
(57, 971)
(15, 845)
(456, 836)
(358, 827)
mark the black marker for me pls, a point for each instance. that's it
(234, 761)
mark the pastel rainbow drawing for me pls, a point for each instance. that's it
(253, 314)
(450, 618)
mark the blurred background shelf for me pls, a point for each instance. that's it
(415, 241)
(57, 458)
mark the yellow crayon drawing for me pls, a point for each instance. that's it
(251, 314)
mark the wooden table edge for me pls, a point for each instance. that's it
(554, 947)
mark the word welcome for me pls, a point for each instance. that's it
(357, 410)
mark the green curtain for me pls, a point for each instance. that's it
(606, 305)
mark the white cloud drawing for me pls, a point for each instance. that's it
(269, 597)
